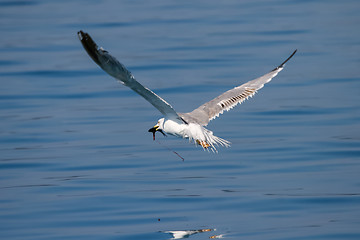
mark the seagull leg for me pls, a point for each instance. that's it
(204, 144)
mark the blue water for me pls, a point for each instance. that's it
(77, 162)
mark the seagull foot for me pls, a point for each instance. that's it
(204, 144)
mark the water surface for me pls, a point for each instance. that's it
(77, 162)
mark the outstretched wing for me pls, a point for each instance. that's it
(231, 98)
(113, 67)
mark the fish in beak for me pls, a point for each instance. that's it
(156, 129)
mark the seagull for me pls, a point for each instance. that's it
(189, 125)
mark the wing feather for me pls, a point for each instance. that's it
(231, 98)
(114, 68)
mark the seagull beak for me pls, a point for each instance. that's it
(155, 129)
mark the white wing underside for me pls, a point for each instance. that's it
(113, 67)
(201, 115)
(226, 101)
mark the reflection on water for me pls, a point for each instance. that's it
(217, 236)
(186, 233)
(77, 162)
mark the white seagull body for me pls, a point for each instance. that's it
(185, 125)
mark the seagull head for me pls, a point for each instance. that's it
(157, 128)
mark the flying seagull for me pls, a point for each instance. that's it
(189, 125)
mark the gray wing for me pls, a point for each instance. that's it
(113, 67)
(231, 98)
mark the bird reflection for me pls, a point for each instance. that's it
(186, 233)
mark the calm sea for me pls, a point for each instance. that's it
(77, 162)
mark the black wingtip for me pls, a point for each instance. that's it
(282, 65)
(89, 45)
